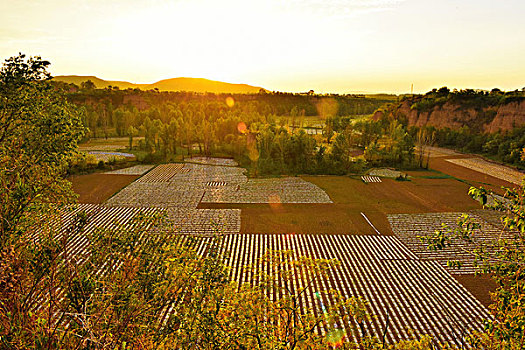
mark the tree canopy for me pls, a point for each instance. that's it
(39, 130)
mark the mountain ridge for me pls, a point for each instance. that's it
(170, 84)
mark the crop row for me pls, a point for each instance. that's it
(162, 173)
(279, 190)
(213, 161)
(134, 170)
(185, 185)
(205, 221)
(405, 295)
(158, 195)
(495, 170)
(368, 178)
(412, 230)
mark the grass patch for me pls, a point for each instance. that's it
(443, 176)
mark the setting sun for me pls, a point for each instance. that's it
(339, 46)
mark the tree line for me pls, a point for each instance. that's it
(267, 132)
(503, 145)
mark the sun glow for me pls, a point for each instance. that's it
(327, 46)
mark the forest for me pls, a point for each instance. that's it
(271, 133)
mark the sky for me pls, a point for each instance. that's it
(339, 46)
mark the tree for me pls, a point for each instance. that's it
(39, 130)
(87, 85)
(504, 259)
(424, 140)
(132, 131)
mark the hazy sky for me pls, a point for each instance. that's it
(286, 45)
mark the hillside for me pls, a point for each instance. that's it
(174, 84)
(480, 111)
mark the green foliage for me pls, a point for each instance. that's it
(394, 147)
(471, 137)
(503, 259)
(118, 293)
(39, 130)
(502, 146)
(465, 99)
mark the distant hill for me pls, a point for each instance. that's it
(174, 84)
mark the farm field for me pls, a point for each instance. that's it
(110, 144)
(370, 226)
(414, 295)
(410, 227)
(479, 285)
(352, 197)
(405, 295)
(97, 188)
(419, 195)
(212, 161)
(273, 190)
(495, 170)
(438, 152)
(134, 170)
(305, 218)
(469, 176)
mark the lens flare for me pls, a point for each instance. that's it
(230, 102)
(253, 153)
(336, 337)
(241, 127)
(274, 200)
(327, 108)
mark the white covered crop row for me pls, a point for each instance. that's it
(77, 242)
(368, 178)
(491, 216)
(205, 221)
(404, 292)
(185, 185)
(410, 228)
(98, 216)
(274, 190)
(134, 170)
(162, 173)
(158, 195)
(492, 169)
(385, 172)
(197, 175)
(213, 161)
